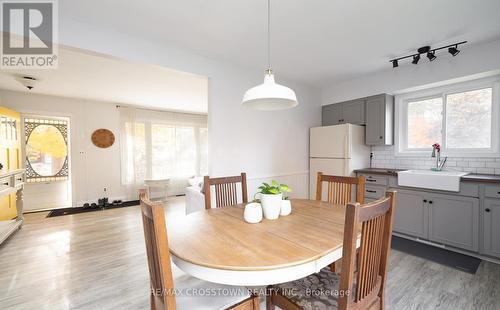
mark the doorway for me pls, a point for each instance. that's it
(46, 158)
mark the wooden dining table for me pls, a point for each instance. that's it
(217, 245)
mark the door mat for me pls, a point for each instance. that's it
(69, 211)
(438, 255)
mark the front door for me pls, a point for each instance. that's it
(47, 162)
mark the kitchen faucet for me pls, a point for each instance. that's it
(436, 152)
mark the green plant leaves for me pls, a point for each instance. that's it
(274, 189)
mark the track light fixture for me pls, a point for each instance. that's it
(431, 56)
(431, 53)
(454, 50)
(415, 60)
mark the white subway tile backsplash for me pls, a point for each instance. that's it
(383, 157)
(477, 164)
(486, 170)
(492, 165)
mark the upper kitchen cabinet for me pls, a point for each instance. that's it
(331, 114)
(379, 120)
(352, 112)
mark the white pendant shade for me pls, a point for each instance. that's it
(270, 96)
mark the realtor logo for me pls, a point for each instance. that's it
(28, 34)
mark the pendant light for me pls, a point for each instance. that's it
(269, 95)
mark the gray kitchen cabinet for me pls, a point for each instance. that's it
(491, 227)
(466, 220)
(411, 216)
(331, 114)
(375, 191)
(379, 120)
(352, 112)
(454, 220)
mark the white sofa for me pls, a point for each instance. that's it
(195, 200)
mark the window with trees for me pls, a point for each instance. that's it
(159, 144)
(463, 118)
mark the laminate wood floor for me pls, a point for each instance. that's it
(97, 260)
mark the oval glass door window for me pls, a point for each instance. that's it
(46, 150)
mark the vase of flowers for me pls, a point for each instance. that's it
(271, 196)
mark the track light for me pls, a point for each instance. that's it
(431, 56)
(454, 51)
(431, 53)
(416, 58)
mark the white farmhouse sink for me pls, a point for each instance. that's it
(438, 180)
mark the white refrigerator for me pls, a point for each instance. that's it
(336, 150)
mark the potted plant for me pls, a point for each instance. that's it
(271, 196)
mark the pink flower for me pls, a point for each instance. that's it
(437, 147)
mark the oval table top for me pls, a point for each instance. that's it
(217, 245)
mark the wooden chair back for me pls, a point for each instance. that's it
(375, 220)
(340, 188)
(160, 269)
(225, 190)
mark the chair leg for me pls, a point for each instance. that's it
(333, 267)
(256, 302)
(269, 298)
(152, 301)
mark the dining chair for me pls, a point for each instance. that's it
(340, 192)
(358, 287)
(340, 188)
(169, 285)
(226, 193)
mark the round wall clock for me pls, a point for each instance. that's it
(103, 138)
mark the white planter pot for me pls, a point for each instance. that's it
(286, 207)
(253, 213)
(271, 205)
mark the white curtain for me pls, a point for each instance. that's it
(158, 145)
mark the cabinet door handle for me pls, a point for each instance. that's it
(425, 200)
(430, 201)
(380, 137)
(6, 183)
(371, 180)
(487, 209)
(498, 193)
(371, 191)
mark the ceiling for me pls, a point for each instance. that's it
(317, 41)
(96, 77)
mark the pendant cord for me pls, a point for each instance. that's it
(269, 34)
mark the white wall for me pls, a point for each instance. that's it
(264, 144)
(92, 168)
(473, 60)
